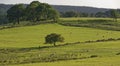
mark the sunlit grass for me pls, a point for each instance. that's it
(33, 36)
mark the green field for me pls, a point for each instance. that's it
(106, 53)
(108, 61)
(33, 36)
(99, 23)
(25, 45)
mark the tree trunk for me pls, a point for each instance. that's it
(115, 19)
(14, 23)
(18, 20)
(54, 44)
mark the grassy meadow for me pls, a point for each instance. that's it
(24, 46)
(33, 36)
(108, 61)
(101, 53)
(99, 23)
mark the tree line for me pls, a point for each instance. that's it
(34, 12)
(112, 13)
(37, 11)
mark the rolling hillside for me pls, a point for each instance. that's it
(61, 8)
(83, 46)
(24, 45)
(83, 9)
(32, 36)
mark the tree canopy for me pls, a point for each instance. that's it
(37, 11)
(114, 14)
(31, 13)
(15, 13)
(53, 38)
(34, 12)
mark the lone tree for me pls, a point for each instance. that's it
(53, 38)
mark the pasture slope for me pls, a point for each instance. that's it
(107, 61)
(33, 36)
(21, 46)
(90, 54)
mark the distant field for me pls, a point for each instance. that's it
(80, 18)
(98, 23)
(33, 36)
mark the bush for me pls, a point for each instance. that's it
(93, 56)
(118, 53)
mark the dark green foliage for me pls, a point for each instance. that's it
(53, 38)
(34, 12)
(84, 14)
(114, 14)
(93, 56)
(71, 14)
(118, 53)
(37, 11)
(3, 19)
(100, 14)
(53, 14)
(74, 14)
(16, 13)
(31, 13)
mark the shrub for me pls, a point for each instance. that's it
(93, 56)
